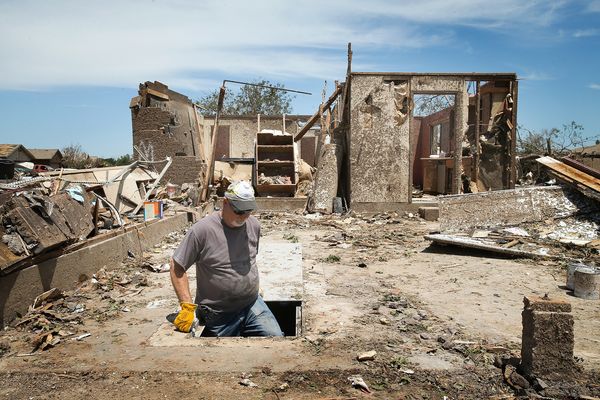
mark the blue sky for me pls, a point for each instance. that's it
(69, 68)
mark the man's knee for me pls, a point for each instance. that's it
(264, 322)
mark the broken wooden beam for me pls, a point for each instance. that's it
(570, 173)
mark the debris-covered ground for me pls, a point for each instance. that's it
(384, 311)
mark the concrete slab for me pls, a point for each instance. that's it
(280, 266)
(429, 213)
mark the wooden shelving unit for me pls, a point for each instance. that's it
(275, 158)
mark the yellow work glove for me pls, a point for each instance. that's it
(185, 317)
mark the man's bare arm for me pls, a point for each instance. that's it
(179, 279)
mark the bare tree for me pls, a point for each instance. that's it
(552, 141)
(427, 104)
(75, 157)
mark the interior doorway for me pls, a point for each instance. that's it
(433, 144)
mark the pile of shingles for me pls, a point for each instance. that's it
(33, 223)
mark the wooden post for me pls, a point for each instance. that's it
(513, 147)
(283, 124)
(476, 156)
(96, 209)
(211, 157)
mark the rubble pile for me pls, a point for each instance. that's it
(58, 209)
(58, 316)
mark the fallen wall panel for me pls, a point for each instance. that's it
(505, 207)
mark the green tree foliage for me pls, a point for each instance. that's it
(250, 100)
(125, 159)
(550, 141)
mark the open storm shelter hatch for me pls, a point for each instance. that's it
(280, 266)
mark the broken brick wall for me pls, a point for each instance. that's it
(165, 124)
(548, 339)
(184, 169)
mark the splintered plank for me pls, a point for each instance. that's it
(571, 173)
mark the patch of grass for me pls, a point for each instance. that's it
(391, 297)
(399, 362)
(291, 237)
(332, 258)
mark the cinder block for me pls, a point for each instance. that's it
(429, 213)
(536, 303)
(548, 340)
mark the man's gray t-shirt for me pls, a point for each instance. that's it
(226, 273)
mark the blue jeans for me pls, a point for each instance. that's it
(254, 320)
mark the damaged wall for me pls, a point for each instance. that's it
(379, 139)
(19, 288)
(165, 124)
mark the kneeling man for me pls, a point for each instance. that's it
(223, 245)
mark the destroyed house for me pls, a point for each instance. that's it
(589, 156)
(377, 131)
(262, 149)
(258, 148)
(237, 133)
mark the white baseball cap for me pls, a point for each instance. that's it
(241, 196)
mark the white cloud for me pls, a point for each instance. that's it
(116, 43)
(594, 6)
(594, 86)
(536, 76)
(586, 33)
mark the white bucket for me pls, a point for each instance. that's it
(571, 273)
(587, 284)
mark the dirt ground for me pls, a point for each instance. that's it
(438, 319)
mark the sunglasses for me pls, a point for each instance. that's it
(240, 212)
